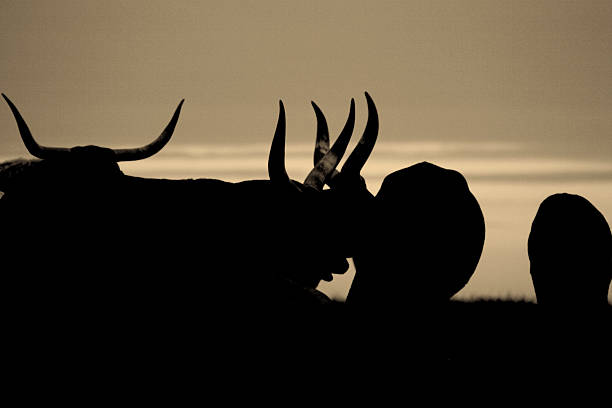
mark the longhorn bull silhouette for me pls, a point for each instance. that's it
(74, 215)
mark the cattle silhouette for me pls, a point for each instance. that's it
(419, 240)
(115, 261)
(85, 231)
(570, 253)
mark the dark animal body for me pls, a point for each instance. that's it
(135, 267)
(86, 233)
(109, 271)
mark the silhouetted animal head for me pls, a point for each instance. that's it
(424, 232)
(304, 206)
(64, 169)
(347, 184)
(570, 251)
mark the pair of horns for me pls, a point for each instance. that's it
(326, 159)
(139, 153)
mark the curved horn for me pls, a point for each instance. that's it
(34, 148)
(155, 146)
(276, 159)
(357, 159)
(325, 166)
(322, 142)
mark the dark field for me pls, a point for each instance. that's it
(331, 351)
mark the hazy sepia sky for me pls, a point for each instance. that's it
(517, 95)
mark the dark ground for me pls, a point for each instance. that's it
(329, 350)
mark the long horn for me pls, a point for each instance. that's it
(322, 142)
(276, 159)
(357, 159)
(325, 166)
(155, 146)
(34, 148)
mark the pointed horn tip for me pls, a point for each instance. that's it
(281, 111)
(351, 117)
(280, 124)
(318, 111)
(371, 104)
